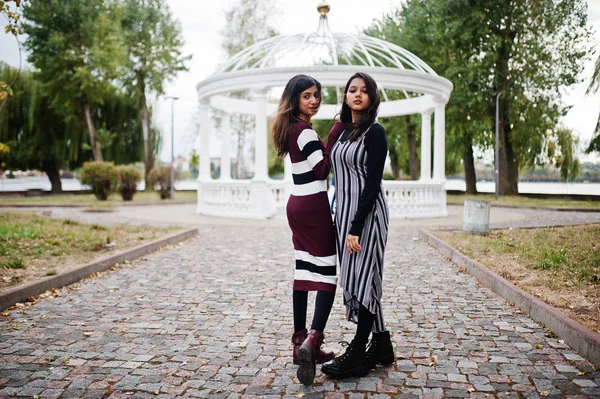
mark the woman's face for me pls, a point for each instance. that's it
(356, 96)
(310, 101)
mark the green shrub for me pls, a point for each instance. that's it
(129, 177)
(159, 179)
(101, 176)
(388, 176)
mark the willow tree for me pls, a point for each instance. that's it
(41, 138)
(38, 137)
(77, 52)
(154, 45)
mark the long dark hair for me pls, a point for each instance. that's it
(368, 116)
(289, 110)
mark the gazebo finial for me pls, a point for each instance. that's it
(323, 7)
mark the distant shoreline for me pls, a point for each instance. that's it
(42, 183)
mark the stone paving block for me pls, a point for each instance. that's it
(196, 332)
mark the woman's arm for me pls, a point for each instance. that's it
(313, 148)
(334, 135)
(377, 148)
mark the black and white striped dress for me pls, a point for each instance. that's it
(361, 210)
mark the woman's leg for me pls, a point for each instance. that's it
(299, 303)
(380, 350)
(353, 363)
(365, 325)
(323, 305)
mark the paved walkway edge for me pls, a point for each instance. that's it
(21, 292)
(583, 340)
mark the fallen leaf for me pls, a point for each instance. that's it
(581, 373)
(544, 393)
(15, 327)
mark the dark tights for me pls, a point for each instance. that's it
(365, 324)
(323, 305)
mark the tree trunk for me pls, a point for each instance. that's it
(148, 150)
(413, 158)
(53, 175)
(507, 178)
(469, 165)
(96, 145)
(513, 168)
(394, 162)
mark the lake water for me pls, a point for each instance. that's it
(43, 183)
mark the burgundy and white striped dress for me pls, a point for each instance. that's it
(308, 212)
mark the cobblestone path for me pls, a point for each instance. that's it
(212, 318)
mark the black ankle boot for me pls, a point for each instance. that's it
(380, 350)
(351, 364)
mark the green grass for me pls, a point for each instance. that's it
(90, 200)
(564, 253)
(518, 201)
(28, 240)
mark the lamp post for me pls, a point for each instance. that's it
(172, 179)
(497, 146)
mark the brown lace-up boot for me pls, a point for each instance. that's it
(298, 338)
(307, 354)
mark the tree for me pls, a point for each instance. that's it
(155, 47)
(594, 87)
(247, 22)
(38, 137)
(7, 9)
(41, 138)
(529, 50)
(537, 49)
(77, 51)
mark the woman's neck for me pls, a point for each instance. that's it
(355, 116)
(304, 118)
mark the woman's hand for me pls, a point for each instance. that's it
(352, 243)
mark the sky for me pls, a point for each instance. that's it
(203, 21)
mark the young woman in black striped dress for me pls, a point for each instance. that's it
(309, 218)
(361, 220)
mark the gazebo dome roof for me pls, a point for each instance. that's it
(324, 48)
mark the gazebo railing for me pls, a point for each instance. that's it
(415, 199)
(406, 199)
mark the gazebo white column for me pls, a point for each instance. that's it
(204, 172)
(261, 168)
(426, 146)
(225, 148)
(439, 156)
(262, 200)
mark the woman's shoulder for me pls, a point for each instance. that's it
(377, 129)
(300, 126)
(376, 134)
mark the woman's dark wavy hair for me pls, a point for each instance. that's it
(289, 110)
(368, 116)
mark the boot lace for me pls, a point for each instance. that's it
(347, 353)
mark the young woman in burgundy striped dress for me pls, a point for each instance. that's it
(309, 218)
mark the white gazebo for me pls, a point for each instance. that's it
(331, 58)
